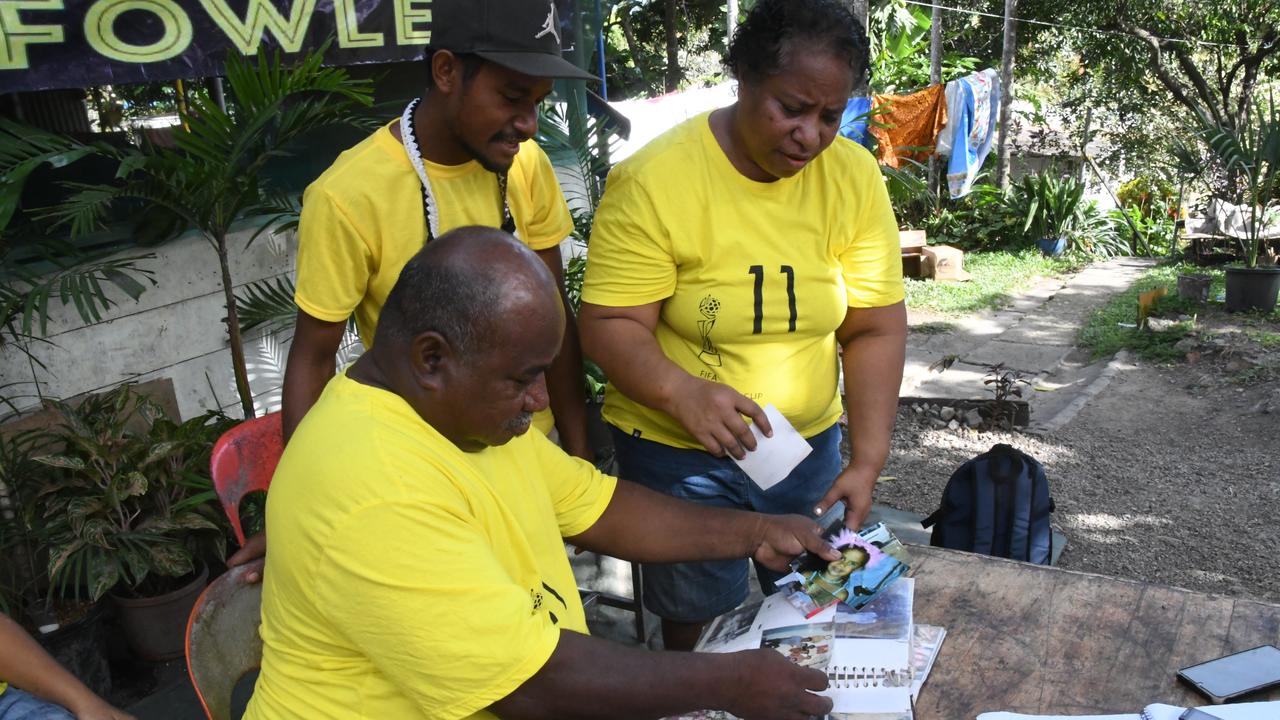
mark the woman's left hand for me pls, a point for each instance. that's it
(854, 486)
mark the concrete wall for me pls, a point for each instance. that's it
(174, 331)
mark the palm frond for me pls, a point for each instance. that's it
(267, 303)
(22, 150)
(580, 143)
(77, 280)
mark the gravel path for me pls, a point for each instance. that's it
(1169, 475)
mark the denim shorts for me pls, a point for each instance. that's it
(18, 705)
(699, 591)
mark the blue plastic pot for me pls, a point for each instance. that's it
(1053, 247)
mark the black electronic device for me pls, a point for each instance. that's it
(1236, 675)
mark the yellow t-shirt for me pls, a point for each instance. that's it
(755, 277)
(407, 578)
(362, 220)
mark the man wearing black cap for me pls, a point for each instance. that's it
(460, 155)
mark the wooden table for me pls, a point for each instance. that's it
(1035, 639)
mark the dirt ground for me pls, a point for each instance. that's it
(1171, 474)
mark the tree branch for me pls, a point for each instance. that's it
(1252, 63)
(1162, 74)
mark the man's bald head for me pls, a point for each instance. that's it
(462, 285)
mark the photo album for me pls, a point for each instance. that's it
(854, 623)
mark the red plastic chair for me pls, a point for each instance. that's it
(223, 644)
(243, 461)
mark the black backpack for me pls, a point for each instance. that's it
(996, 504)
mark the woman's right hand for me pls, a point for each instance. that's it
(712, 413)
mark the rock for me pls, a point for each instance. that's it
(937, 423)
(1186, 344)
(1238, 365)
(1160, 324)
(973, 418)
(947, 413)
(953, 425)
(917, 409)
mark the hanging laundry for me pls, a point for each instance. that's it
(972, 103)
(853, 122)
(912, 124)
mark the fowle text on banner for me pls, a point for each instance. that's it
(47, 44)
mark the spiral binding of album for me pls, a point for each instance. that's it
(845, 677)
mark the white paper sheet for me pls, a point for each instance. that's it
(1237, 711)
(774, 457)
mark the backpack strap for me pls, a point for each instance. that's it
(983, 502)
(1020, 520)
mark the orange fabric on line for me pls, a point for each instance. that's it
(914, 122)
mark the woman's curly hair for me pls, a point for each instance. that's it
(773, 29)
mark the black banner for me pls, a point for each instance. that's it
(47, 44)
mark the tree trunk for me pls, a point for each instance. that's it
(669, 23)
(935, 77)
(233, 331)
(860, 11)
(633, 47)
(1006, 92)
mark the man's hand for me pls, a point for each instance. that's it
(854, 486)
(712, 413)
(255, 547)
(782, 537)
(774, 688)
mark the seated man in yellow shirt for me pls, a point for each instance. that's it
(417, 565)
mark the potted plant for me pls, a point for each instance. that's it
(70, 629)
(130, 510)
(1051, 207)
(1251, 155)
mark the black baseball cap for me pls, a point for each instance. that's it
(523, 35)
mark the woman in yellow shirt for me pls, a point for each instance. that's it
(734, 262)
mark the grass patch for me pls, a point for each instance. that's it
(1267, 339)
(996, 275)
(1109, 329)
(933, 328)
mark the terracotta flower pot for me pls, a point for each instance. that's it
(156, 627)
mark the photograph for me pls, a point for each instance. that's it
(805, 645)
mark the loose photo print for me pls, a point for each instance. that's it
(805, 645)
(888, 617)
(862, 571)
(732, 631)
(869, 716)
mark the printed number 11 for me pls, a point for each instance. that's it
(758, 272)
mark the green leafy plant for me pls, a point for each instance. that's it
(129, 502)
(899, 36)
(580, 145)
(1251, 153)
(21, 574)
(1051, 205)
(1004, 384)
(213, 177)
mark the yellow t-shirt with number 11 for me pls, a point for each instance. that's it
(755, 277)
